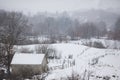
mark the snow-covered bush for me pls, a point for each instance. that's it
(94, 44)
(98, 45)
(74, 76)
(49, 51)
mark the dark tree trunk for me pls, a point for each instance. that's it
(8, 65)
(9, 61)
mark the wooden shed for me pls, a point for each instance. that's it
(36, 63)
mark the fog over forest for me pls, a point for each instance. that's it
(67, 17)
(34, 6)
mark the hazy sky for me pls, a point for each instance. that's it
(56, 5)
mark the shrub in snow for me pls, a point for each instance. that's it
(74, 76)
(86, 75)
(94, 61)
(113, 76)
(88, 43)
(70, 56)
(1, 74)
(42, 49)
(50, 52)
(106, 78)
(26, 50)
(94, 44)
(98, 45)
(28, 41)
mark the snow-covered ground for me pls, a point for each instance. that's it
(98, 63)
(86, 59)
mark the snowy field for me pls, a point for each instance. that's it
(97, 64)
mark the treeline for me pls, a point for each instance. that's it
(115, 34)
(57, 26)
(65, 25)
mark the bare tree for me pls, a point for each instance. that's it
(11, 31)
(116, 35)
(86, 30)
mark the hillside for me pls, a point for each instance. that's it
(87, 62)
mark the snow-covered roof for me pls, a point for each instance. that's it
(28, 59)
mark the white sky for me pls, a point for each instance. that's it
(34, 6)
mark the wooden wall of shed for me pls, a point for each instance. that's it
(44, 64)
(16, 69)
